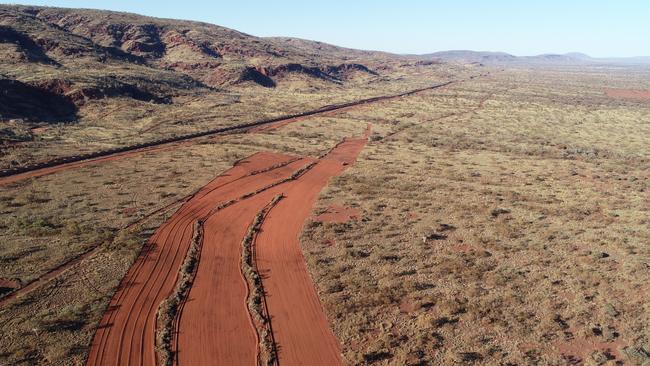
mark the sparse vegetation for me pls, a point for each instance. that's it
(524, 241)
(502, 219)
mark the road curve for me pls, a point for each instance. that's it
(126, 332)
(215, 325)
(300, 327)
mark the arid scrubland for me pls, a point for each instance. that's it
(512, 234)
(500, 220)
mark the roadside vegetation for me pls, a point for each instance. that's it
(514, 234)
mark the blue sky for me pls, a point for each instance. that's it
(525, 27)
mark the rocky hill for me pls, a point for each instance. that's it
(81, 55)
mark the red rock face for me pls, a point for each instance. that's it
(174, 39)
(254, 75)
(336, 74)
(81, 96)
(208, 54)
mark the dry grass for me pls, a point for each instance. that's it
(528, 187)
(113, 122)
(534, 209)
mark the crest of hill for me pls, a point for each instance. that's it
(466, 56)
(209, 53)
(84, 54)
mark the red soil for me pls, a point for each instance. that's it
(126, 332)
(300, 327)
(632, 94)
(462, 248)
(9, 283)
(579, 349)
(214, 325)
(338, 214)
(407, 306)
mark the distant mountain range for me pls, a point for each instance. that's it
(502, 58)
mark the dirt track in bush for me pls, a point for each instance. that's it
(214, 325)
(63, 163)
(126, 333)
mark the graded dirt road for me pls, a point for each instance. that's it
(300, 328)
(126, 332)
(214, 324)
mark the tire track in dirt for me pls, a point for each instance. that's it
(216, 313)
(60, 269)
(126, 332)
(13, 175)
(212, 325)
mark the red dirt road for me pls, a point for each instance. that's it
(214, 326)
(300, 327)
(126, 332)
